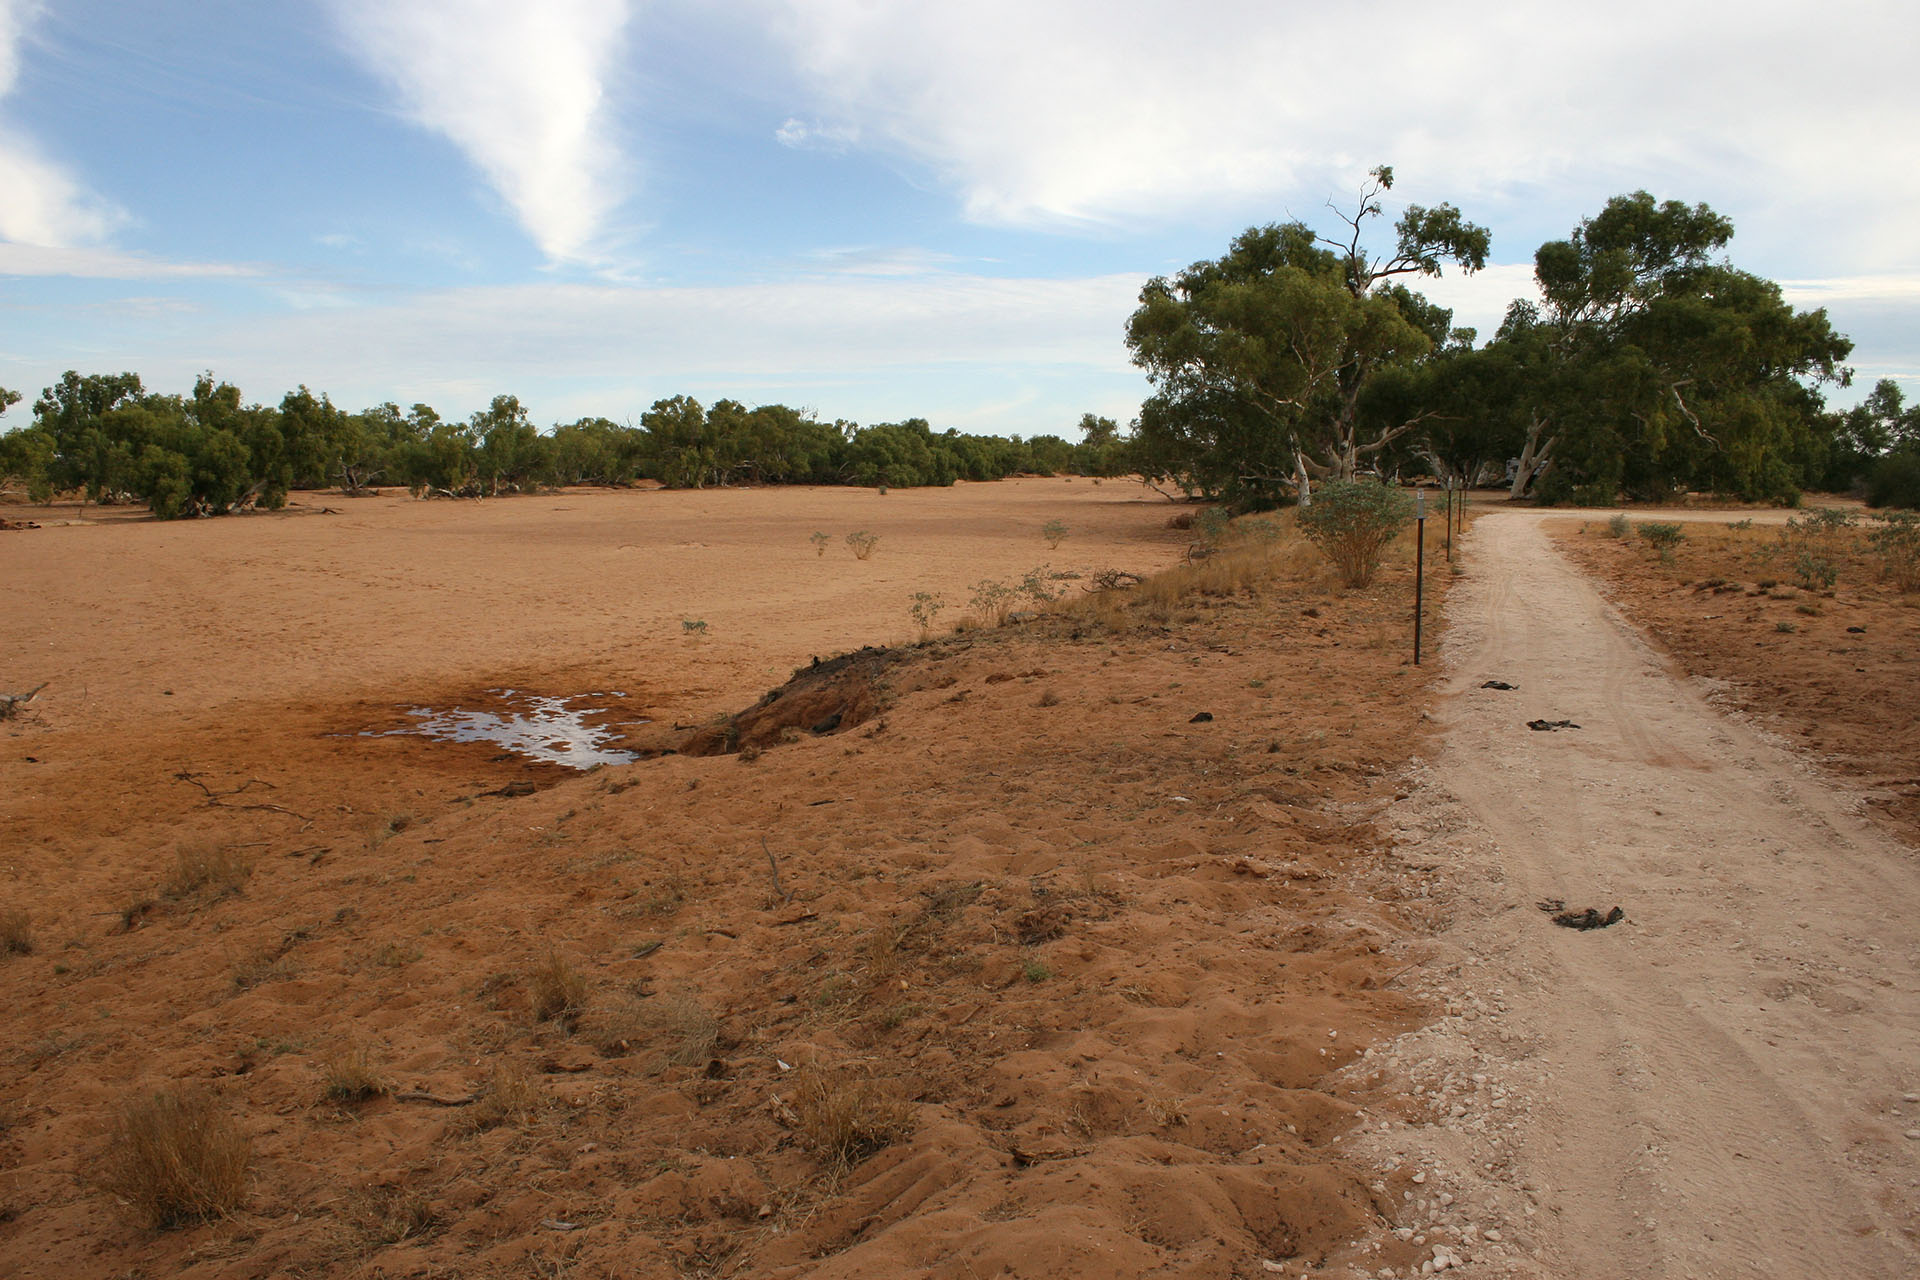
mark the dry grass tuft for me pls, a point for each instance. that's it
(677, 1025)
(176, 1158)
(559, 991)
(16, 932)
(688, 1030)
(351, 1076)
(509, 1097)
(844, 1121)
(392, 1215)
(213, 871)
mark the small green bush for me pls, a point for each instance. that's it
(925, 608)
(1618, 527)
(1663, 538)
(819, 540)
(1055, 532)
(1353, 522)
(862, 543)
(1813, 571)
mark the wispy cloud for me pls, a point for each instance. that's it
(1083, 112)
(520, 89)
(960, 349)
(108, 264)
(41, 203)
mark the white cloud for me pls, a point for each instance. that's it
(521, 89)
(40, 202)
(1090, 111)
(1896, 288)
(807, 135)
(108, 264)
(963, 350)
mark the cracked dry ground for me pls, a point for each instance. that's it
(1052, 979)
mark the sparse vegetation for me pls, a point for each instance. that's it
(1618, 526)
(558, 991)
(844, 1121)
(819, 538)
(1662, 537)
(350, 1076)
(509, 1097)
(1353, 522)
(862, 543)
(16, 932)
(926, 607)
(1897, 542)
(390, 1215)
(214, 871)
(1055, 532)
(176, 1157)
(693, 628)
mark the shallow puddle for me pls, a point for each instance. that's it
(551, 730)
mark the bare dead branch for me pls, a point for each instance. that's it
(220, 799)
(10, 703)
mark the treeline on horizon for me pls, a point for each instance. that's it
(110, 439)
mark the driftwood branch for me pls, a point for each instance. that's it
(10, 703)
(774, 866)
(222, 799)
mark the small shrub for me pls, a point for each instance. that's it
(688, 1030)
(1813, 571)
(558, 991)
(1663, 538)
(1055, 532)
(1897, 542)
(1618, 527)
(843, 1122)
(1353, 522)
(1212, 525)
(1741, 525)
(351, 1076)
(819, 539)
(393, 1215)
(992, 601)
(176, 1158)
(509, 1096)
(1036, 971)
(1784, 626)
(925, 608)
(1037, 586)
(16, 932)
(862, 543)
(693, 627)
(215, 871)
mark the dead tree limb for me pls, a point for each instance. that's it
(221, 799)
(775, 867)
(10, 703)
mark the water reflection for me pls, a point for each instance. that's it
(548, 729)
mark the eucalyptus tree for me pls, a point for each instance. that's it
(1260, 359)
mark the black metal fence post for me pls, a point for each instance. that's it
(1419, 565)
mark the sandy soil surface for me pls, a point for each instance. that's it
(1726, 1083)
(1835, 671)
(1044, 968)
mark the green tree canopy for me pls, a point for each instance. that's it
(1260, 358)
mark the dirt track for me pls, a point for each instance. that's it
(1725, 1083)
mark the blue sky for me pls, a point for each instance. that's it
(877, 210)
